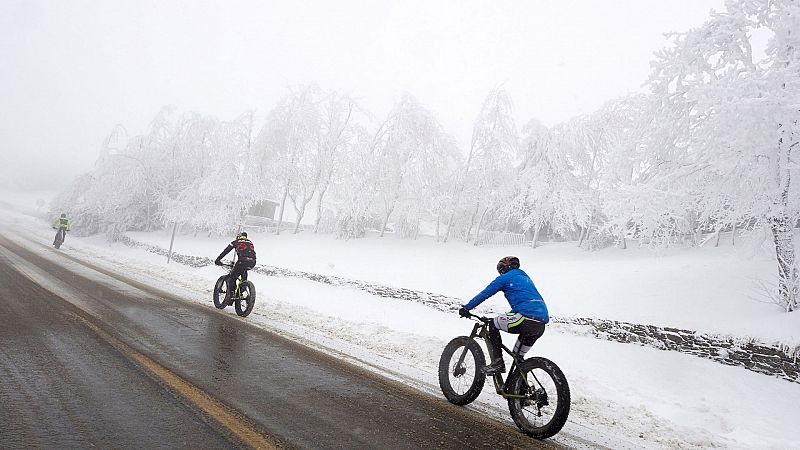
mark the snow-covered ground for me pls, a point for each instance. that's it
(624, 396)
(711, 289)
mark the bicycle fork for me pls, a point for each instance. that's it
(459, 369)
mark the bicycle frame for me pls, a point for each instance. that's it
(480, 331)
(236, 292)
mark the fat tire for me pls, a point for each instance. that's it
(559, 418)
(221, 303)
(251, 299)
(479, 378)
(59, 239)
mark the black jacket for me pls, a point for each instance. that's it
(245, 251)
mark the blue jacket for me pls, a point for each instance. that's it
(520, 293)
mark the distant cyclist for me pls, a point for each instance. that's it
(61, 225)
(245, 258)
(528, 314)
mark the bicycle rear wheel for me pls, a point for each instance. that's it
(544, 409)
(461, 381)
(244, 303)
(221, 292)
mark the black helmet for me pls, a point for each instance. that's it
(241, 235)
(63, 215)
(507, 263)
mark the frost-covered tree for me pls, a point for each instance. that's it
(410, 148)
(215, 174)
(542, 180)
(583, 146)
(429, 179)
(337, 134)
(488, 173)
(639, 193)
(736, 120)
(288, 144)
(188, 168)
(353, 194)
(127, 182)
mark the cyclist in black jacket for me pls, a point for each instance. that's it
(245, 258)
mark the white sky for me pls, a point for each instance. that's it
(70, 70)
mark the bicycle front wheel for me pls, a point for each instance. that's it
(460, 377)
(221, 292)
(543, 406)
(244, 303)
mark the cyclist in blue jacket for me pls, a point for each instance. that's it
(528, 314)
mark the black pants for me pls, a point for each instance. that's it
(529, 331)
(239, 270)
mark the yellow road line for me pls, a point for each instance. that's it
(232, 420)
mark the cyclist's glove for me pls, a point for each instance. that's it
(463, 312)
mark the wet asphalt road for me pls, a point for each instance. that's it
(64, 385)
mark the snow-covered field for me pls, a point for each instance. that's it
(624, 396)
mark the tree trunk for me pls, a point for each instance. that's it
(788, 277)
(283, 206)
(694, 230)
(472, 220)
(389, 210)
(623, 244)
(300, 211)
(480, 223)
(585, 231)
(580, 239)
(782, 233)
(719, 234)
(438, 221)
(536, 236)
(385, 223)
(450, 223)
(733, 235)
(319, 209)
(297, 224)
(460, 189)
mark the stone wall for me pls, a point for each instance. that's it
(770, 359)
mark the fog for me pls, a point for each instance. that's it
(71, 70)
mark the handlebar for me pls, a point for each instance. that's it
(478, 318)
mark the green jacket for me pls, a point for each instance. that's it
(62, 223)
